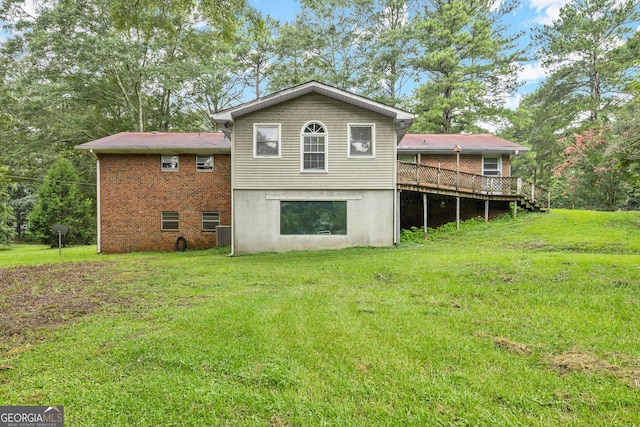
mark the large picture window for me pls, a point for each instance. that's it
(314, 148)
(266, 140)
(317, 217)
(361, 140)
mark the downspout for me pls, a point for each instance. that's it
(99, 216)
(396, 194)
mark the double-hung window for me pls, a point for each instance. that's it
(314, 148)
(170, 221)
(361, 140)
(204, 163)
(266, 140)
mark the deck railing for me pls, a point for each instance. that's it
(447, 179)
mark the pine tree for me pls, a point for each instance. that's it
(61, 202)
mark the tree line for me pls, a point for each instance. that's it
(72, 71)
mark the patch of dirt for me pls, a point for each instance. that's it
(584, 361)
(35, 299)
(512, 346)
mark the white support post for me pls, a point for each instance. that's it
(519, 186)
(486, 210)
(515, 208)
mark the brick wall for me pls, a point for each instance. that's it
(470, 163)
(134, 192)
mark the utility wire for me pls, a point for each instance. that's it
(42, 179)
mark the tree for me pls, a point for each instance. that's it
(330, 48)
(589, 61)
(467, 63)
(7, 220)
(593, 176)
(61, 202)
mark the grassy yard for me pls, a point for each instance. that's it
(533, 321)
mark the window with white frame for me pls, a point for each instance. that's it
(492, 166)
(314, 147)
(266, 140)
(210, 220)
(170, 163)
(170, 221)
(204, 163)
(361, 140)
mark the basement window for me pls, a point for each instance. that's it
(308, 218)
(210, 220)
(170, 163)
(170, 221)
(204, 163)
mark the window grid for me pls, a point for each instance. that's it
(314, 147)
(170, 221)
(210, 220)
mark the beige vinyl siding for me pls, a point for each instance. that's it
(342, 173)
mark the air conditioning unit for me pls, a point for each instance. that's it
(223, 235)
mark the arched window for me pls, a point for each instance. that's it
(314, 147)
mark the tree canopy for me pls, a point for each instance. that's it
(72, 71)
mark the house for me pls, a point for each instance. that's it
(153, 188)
(310, 167)
(313, 167)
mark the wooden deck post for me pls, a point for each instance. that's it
(457, 212)
(486, 210)
(425, 211)
(515, 208)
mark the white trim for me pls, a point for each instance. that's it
(373, 140)
(312, 198)
(326, 148)
(255, 140)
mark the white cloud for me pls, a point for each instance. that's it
(547, 10)
(531, 72)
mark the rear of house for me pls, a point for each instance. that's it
(313, 167)
(154, 188)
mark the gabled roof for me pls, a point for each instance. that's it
(160, 142)
(225, 118)
(468, 143)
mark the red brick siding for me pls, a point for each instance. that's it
(134, 191)
(471, 163)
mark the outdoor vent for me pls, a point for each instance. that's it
(223, 233)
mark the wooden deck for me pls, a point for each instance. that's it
(433, 180)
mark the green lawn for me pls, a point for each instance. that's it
(532, 321)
